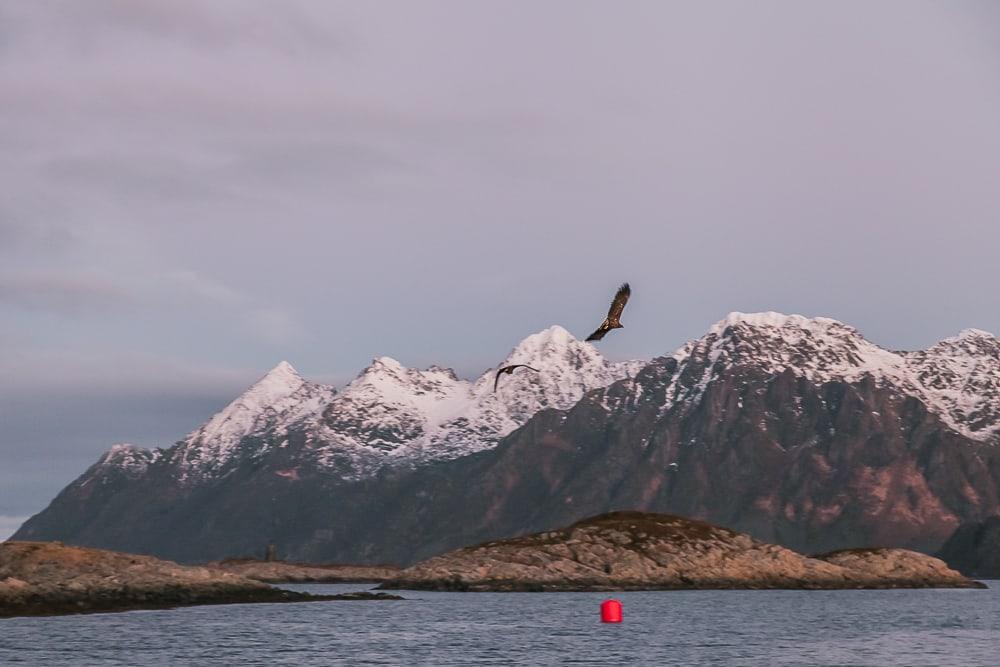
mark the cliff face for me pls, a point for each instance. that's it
(634, 550)
(974, 549)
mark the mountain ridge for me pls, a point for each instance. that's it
(797, 430)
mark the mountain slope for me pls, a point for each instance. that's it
(798, 431)
(284, 430)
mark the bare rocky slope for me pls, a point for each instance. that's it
(635, 550)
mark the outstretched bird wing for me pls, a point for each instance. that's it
(601, 330)
(614, 313)
(618, 305)
(510, 369)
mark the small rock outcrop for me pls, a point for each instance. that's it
(974, 549)
(277, 571)
(47, 578)
(636, 550)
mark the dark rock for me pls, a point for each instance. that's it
(974, 549)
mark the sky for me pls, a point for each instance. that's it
(193, 192)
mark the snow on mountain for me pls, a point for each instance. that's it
(961, 376)
(391, 415)
(414, 416)
(129, 458)
(270, 407)
(958, 379)
(388, 415)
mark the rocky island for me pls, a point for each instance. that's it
(47, 578)
(636, 550)
(278, 571)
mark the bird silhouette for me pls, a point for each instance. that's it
(613, 320)
(509, 370)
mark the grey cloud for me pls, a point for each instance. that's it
(217, 25)
(67, 293)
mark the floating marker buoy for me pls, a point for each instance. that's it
(611, 611)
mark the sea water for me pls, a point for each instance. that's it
(896, 627)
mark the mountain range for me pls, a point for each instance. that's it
(796, 430)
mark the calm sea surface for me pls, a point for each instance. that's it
(922, 627)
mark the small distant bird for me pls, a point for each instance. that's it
(509, 370)
(613, 320)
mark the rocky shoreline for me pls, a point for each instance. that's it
(277, 572)
(49, 578)
(644, 551)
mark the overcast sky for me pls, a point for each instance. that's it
(192, 192)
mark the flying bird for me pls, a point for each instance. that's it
(509, 370)
(613, 320)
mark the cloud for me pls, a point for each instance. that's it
(104, 25)
(33, 370)
(271, 323)
(63, 292)
(212, 291)
(81, 294)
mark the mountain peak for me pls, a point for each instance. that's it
(553, 335)
(975, 334)
(129, 458)
(382, 365)
(774, 320)
(283, 369)
(551, 344)
(279, 382)
(281, 396)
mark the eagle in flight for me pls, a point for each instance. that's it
(509, 370)
(613, 320)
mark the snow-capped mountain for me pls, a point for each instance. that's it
(275, 403)
(958, 378)
(415, 416)
(797, 430)
(389, 415)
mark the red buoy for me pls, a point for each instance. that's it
(611, 611)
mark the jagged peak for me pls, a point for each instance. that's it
(284, 372)
(383, 364)
(122, 449)
(775, 320)
(973, 334)
(443, 370)
(550, 343)
(553, 335)
(128, 456)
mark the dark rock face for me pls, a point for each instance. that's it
(635, 550)
(813, 468)
(974, 549)
(802, 434)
